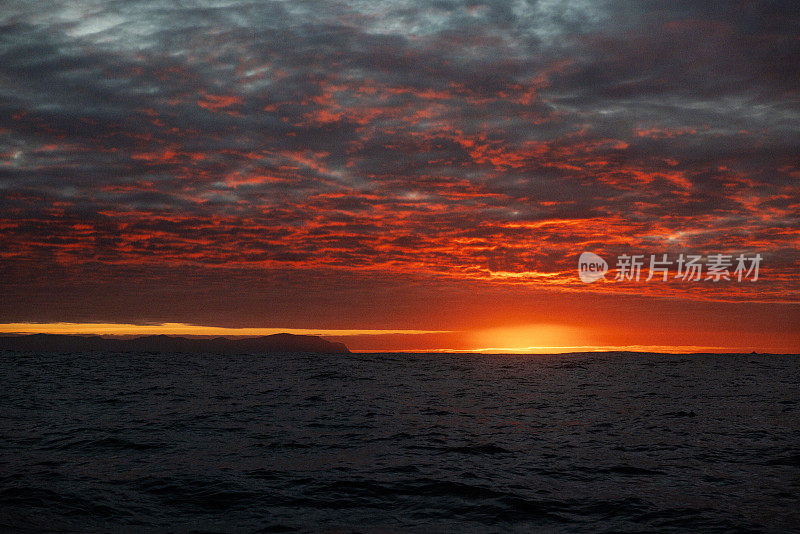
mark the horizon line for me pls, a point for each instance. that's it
(128, 329)
(201, 331)
(576, 349)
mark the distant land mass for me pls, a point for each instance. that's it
(163, 343)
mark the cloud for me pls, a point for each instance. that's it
(445, 139)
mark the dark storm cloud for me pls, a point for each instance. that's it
(437, 135)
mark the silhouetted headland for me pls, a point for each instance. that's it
(163, 343)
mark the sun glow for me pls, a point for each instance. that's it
(530, 338)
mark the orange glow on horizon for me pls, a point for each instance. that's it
(526, 338)
(499, 351)
(182, 329)
(517, 339)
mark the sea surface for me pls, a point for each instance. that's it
(399, 443)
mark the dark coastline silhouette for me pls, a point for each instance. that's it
(163, 343)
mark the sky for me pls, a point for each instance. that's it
(402, 175)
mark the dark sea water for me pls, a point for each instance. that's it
(399, 443)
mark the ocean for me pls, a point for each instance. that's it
(153, 442)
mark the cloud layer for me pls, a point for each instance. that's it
(451, 140)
